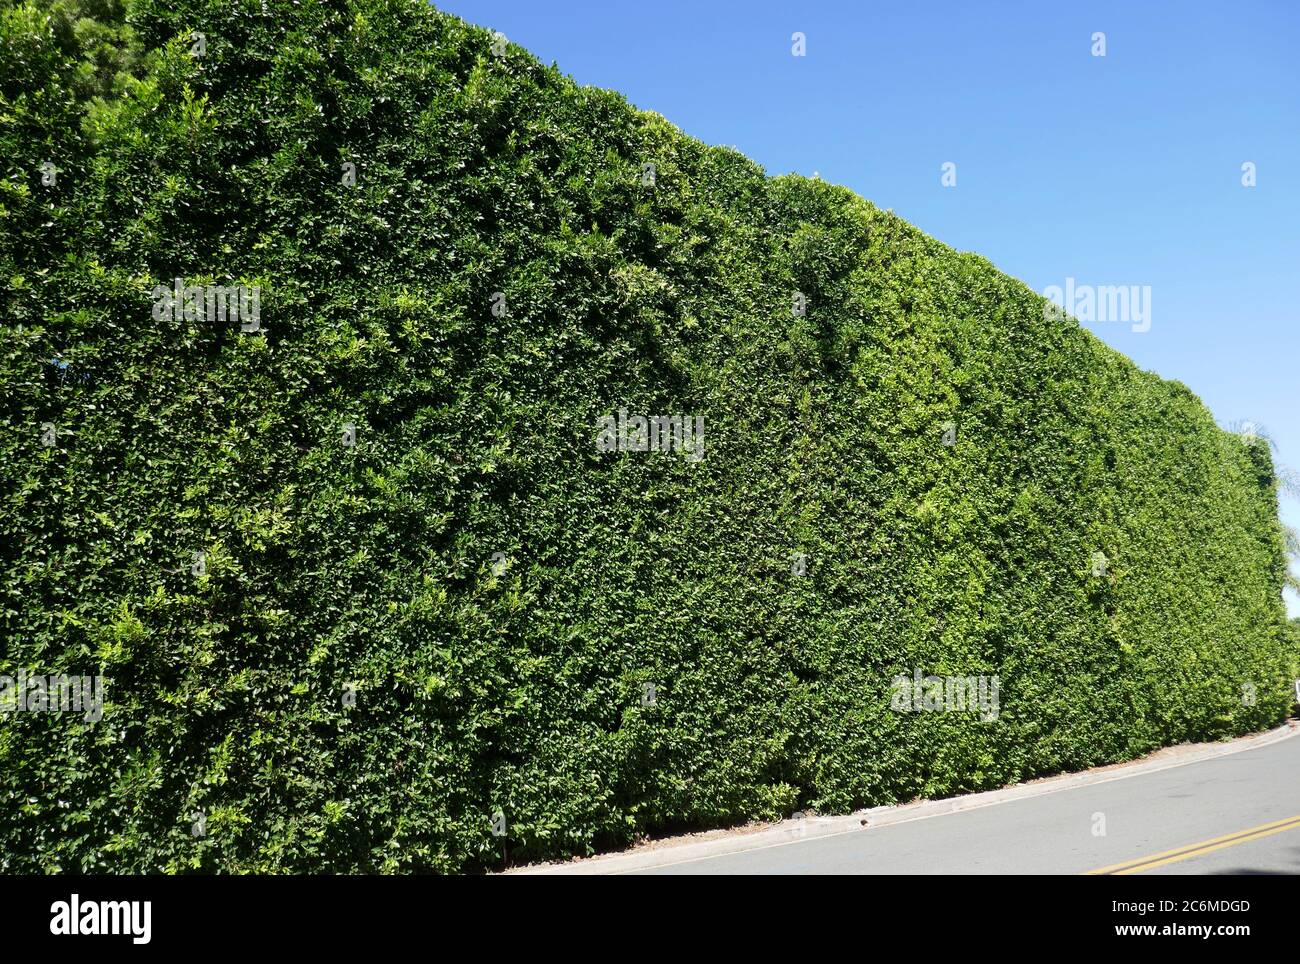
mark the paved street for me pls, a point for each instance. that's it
(1236, 814)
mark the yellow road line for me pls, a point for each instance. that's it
(1197, 849)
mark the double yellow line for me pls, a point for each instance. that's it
(1197, 849)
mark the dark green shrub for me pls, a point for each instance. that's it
(370, 572)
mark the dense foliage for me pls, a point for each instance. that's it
(386, 643)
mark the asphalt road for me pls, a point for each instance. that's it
(1237, 814)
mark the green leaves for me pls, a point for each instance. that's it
(462, 608)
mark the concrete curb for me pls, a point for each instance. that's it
(793, 831)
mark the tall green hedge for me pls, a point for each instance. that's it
(462, 615)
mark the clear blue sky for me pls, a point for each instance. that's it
(1123, 169)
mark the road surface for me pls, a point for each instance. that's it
(1235, 814)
